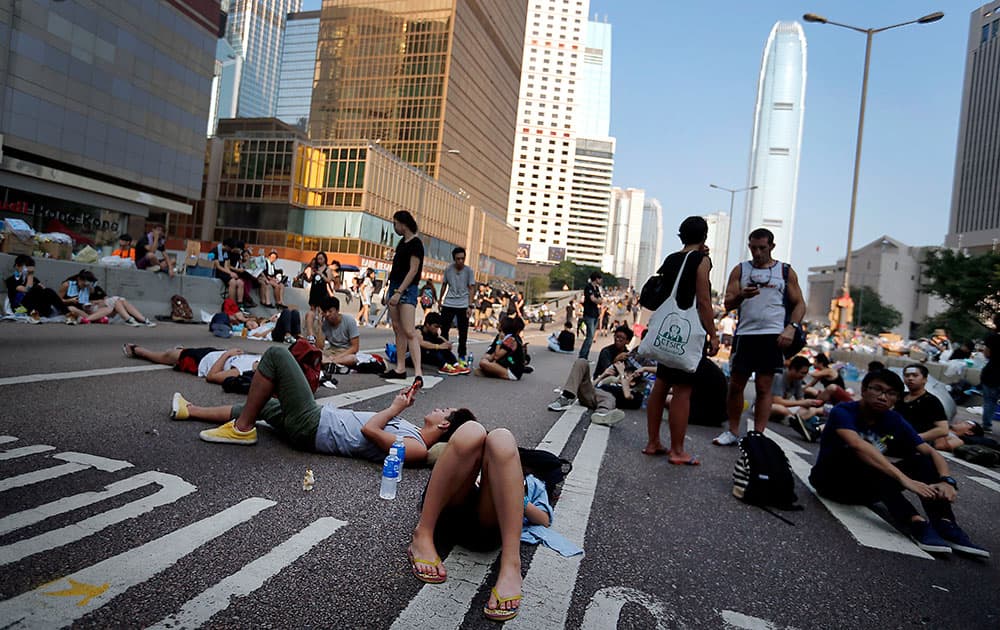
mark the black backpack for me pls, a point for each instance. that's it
(548, 468)
(762, 476)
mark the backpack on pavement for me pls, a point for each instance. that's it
(762, 476)
(310, 359)
(548, 468)
(180, 310)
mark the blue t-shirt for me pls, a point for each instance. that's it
(890, 433)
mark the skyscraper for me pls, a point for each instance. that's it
(777, 136)
(225, 84)
(594, 109)
(650, 241)
(550, 81)
(718, 247)
(256, 29)
(298, 68)
(433, 81)
(625, 233)
(975, 200)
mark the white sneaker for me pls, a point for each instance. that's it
(726, 438)
(150, 323)
(131, 321)
(608, 418)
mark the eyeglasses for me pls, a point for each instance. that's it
(880, 392)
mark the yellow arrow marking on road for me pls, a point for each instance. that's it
(77, 589)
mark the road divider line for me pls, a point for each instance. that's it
(251, 577)
(445, 605)
(75, 463)
(172, 489)
(864, 525)
(62, 376)
(992, 485)
(976, 467)
(551, 578)
(25, 451)
(4, 439)
(92, 587)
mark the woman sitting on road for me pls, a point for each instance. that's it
(478, 516)
(103, 305)
(505, 358)
(75, 295)
(26, 294)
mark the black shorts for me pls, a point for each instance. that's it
(189, 359)
(459, 525)
(756, 354)
(673, 375)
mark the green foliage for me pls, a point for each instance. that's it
(871, 314)
(534, 288)
(575, 276)
(969, 285)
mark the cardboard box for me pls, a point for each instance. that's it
(192, 252)
(11, 244)
(58, 251)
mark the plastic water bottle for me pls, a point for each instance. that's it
(468, 361)
(400, 448)
(390, 476)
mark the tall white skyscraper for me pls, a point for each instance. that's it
(563, 156)
(625, 233)
(718, 247)
(256, 30)
(650, 241)
(777, 137)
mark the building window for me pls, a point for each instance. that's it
(986, 34)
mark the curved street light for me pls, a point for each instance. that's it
(869, 33)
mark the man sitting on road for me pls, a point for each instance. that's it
(435, 350)
(623, 335)
(853, 467)
(603, 402)
(919, 407)
(212, 364)
(341, 331)
(296, 416)
(565, 341)
(788, 399)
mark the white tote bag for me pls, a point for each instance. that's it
(676, 337)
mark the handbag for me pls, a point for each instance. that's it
(676, 338)
(654, 292)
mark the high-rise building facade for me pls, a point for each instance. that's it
(225, 84)
(298, 68)
(102, 112)
(256, 30)
(625, 233)
(432, 81)
(593, 118)
(777, 136)
(718, 247)
(550, 83)
(975, 199)
(590, 200)
(650, 241)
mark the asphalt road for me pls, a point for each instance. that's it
(666, 547)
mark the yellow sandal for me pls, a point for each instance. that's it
(502, 614)
(428, 578)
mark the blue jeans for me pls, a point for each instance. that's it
(990, 395)
(591, 324)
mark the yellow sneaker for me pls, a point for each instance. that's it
(179, 408)
(229, 434)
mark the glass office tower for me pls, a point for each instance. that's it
(298, 67)
(256, 30)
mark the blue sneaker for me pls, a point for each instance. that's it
(958, 540)
(928, 539)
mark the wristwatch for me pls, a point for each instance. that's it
(950, 481)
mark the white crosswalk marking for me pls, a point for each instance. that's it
(976, 467)
(864, 525)
(992, 485)
(445, 605)
(172, 489)
(76, 463)
(251, 577)
(61, 602)
(62, 376)
(25, 451)
(4, 439)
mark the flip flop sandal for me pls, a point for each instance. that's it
(657, 452)
(502, 614)
(128, 349)
(427, 578)
(691, 462)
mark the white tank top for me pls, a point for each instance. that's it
(763, 314)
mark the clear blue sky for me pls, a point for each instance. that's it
(684, 77)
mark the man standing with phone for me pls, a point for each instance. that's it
(456, 302)
(760, 289)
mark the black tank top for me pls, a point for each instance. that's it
(672, 265)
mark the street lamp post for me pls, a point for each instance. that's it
(869, 34)
(732, 198)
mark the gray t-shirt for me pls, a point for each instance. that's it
(339, 433)
(340, 337)
(458, 286)
(789, 391)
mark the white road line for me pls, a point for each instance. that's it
(350, 398)
(4, 439)
(61, 602)
(24, 451)
(992, 485)
(551, 578)
(445, 605)
(863, 524)
(606, 606)
(976, 467)
(62, 376)
(172, 489)
(786, 444)
(76, 463)
(200, 610)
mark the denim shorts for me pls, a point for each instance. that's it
(407, 297)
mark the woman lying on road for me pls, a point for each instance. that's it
(478, 516)
(295, 415)
(104, 305)
(212, 364)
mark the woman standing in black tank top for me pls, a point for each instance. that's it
(694, 288)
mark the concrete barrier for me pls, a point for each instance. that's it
(937, 370)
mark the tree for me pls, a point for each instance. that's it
(576, 276)
(871, 314)
(535, 287)
(969, 285)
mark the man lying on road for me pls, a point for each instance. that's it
(212, 364)
(295, 415)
